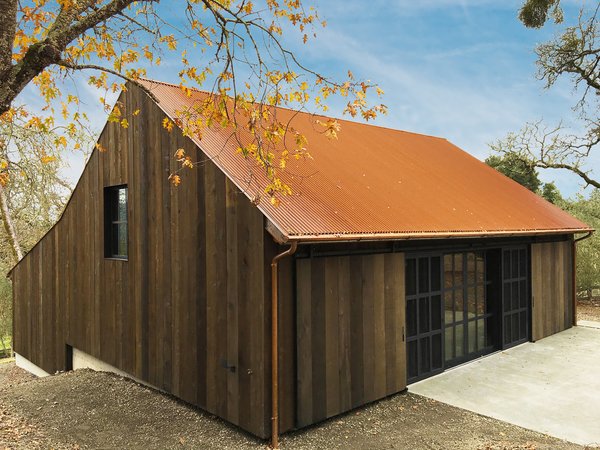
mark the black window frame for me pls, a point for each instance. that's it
(112, 221)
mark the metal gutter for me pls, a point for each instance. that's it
(355, 237)
(275, 344)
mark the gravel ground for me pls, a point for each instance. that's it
(589, 310)
(94, 410)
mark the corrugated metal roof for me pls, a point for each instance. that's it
(379, 183)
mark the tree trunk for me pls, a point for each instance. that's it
(9, 226)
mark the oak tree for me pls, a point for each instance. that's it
(574, 54)
(234, 49)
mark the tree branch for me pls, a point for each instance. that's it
(70, 66)
(584, 175)
(9, 226)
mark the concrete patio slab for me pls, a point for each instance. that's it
(551, 386)
(588, 324)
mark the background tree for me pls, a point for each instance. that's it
(516, 169)
(35, 193)
(525, 174)
(588, 251)
(551, 193)
(575, 54)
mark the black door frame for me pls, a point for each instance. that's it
(494, 280)
(487, 316)
(421, 336)
(512, 279)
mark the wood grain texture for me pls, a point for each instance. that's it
(551, 288)
(187, 311)
(349, 352)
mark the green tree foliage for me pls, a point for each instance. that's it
(551, 193)
(535, 13)
(516, 169)
(524, 174)
(588, 250)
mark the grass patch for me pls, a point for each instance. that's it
(5, 346)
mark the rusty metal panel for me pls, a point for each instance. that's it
(378, 183)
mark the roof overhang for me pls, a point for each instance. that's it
(282, 238)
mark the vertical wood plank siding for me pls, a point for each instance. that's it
(187, 311)
(350, 319)
(551, 288)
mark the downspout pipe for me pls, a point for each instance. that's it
(275, 344)
(574, 257)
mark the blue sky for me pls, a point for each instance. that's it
(461, 69)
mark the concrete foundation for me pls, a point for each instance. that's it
(82, 360)
(30, 367)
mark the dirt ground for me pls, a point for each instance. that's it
(94, 410)
(589, 310)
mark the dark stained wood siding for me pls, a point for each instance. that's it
(188, 311)
(551, 288)
(350, 320)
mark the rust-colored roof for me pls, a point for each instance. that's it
(379, 183)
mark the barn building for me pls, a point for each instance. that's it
(397, 256)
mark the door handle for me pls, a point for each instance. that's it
(403, 334)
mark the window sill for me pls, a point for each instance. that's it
(115, 258)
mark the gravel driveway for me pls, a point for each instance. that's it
(94, 410)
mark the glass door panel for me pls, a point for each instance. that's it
(515, 296)
(424, 316)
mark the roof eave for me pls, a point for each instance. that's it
(355, 237)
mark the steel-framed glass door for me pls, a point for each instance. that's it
(515, 296)
(423, 316)
(467, 314)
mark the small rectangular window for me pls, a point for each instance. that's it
(115, 222)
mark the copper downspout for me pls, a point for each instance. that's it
(574, 252)
(275, 345)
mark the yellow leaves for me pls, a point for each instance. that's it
(170, 41)
(47, 159)
(67, 4)
(248, 8)
(175, 179)
(4, 178)
(332, 127)
(3, 164)
(248, 150)
(186, 161)
(101, 148)
(147, 53)
(117, 45)
(60, 141)
(167, 124)
(226, 76)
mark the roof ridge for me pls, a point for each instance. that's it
(166, 83)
